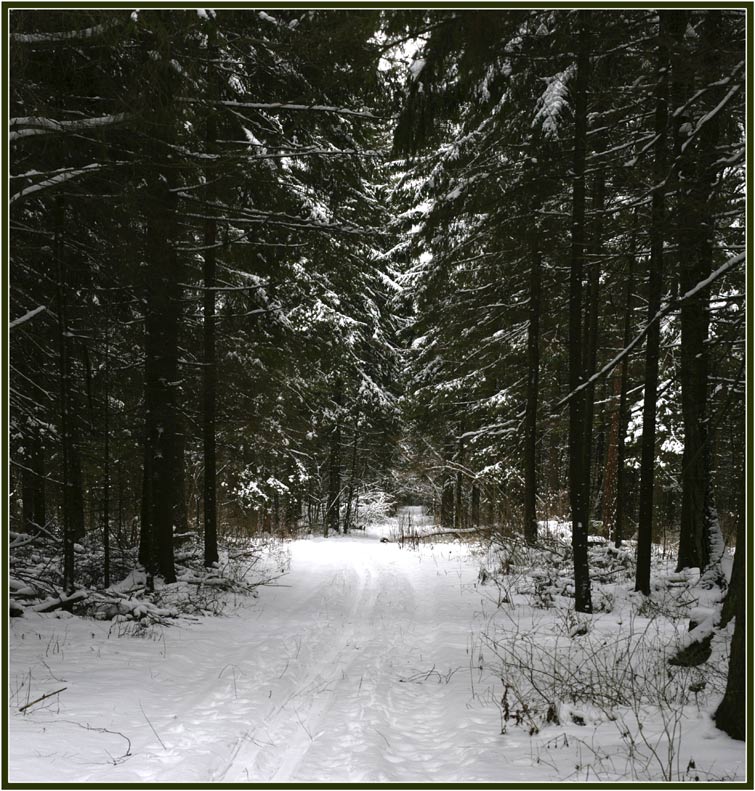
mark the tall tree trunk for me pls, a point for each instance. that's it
(591, 319)
(621, 472)
(209, 383)
(459, 490)
(655, 294)
(64, 398)
(579, 477)
(146, 543)
(475, 504)
(333, 516)
(697, 174)
(106, 454)
(38, 483)
(608, 497)
(447, 489)
(161, 372)
(352, 475)
(731, 715)
(180, 508)
(533, 382)
(162, 302)
(739, 570)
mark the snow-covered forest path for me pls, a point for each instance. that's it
(364, 665)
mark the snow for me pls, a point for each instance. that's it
(415, 69)
(553, 102)
(366, 662)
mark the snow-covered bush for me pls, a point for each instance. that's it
(374, 506)
(612, 672)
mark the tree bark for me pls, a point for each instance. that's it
(352, 475)
(209, 371)
(333, 515)
(591, 320)
(655, 294)
(731, 715)
(459, 490)
(579, 477)
(162, 302)
(533, 382)
(697, 175)
(610, 476)
(475, 515)
(106, 454)
(64, 399)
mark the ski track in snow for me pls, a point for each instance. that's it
(363, 670)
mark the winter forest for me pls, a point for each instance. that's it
(376, 396)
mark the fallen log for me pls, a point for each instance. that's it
(48, 605)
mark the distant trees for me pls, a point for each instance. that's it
(197, 237)
(532, 151)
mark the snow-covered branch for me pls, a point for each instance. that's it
(27, 316)
(66, 175)
(65, 35)
(670, 307)
(38, 125)
(315, 108)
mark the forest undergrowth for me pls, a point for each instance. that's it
(135, 602)
(619, 688)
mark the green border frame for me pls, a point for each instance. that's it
(748, 6)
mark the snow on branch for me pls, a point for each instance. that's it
(552, 103)
(27, 316)
(733, 91)
(671, 306)
(66, 35)
(315, 108)
(55, 180)
(38, 125)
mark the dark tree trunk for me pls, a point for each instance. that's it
(181, 511)
(579, 477)
(146, 550)
(533, 382)
(475, 504)
(64, 374)
(447, 490)
(610, 475)
(34, 515)
(591, 321)
(161, 373)
(459, 490)
(106, 455)
(621, 474)
(333, 515)
(731, 715)
(352, 476)
(38, 485)
(695, 228)
(209, 383)
(739, 570)
(162, 303)
(655, 294)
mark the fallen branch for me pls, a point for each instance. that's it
(44, 697)
(53, 604)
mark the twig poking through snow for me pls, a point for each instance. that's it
(157, 735)
(44, 697)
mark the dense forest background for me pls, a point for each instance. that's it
(278, 271)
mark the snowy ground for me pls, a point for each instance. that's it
(369, 663)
